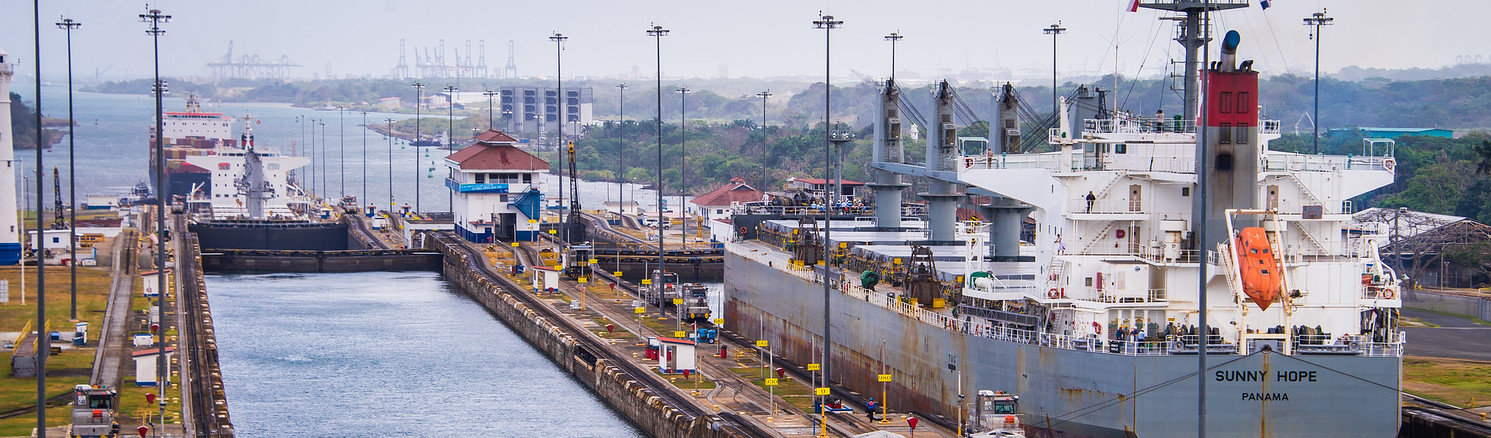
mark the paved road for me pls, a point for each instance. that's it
(1455, 337)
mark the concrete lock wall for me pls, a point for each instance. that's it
(614, 385)
(1448, 303)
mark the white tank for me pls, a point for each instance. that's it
(10, 241)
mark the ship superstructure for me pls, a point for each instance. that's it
(248, 183)
(1091, 310)
(189, 133)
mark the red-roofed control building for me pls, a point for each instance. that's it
(497, 189)
(718, 203)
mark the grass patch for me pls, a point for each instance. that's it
(792, 391)
(23, 425)
(693, 382)
(1452, 381)
(65, 370)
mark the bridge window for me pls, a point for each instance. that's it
(1225, 105)
(481, 178)
(1242, 103)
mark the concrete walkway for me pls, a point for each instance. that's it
(112, 342)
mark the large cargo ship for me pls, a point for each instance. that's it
(189, 133)
(1081, 287)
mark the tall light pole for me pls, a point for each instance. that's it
(311, 153)
(490, 121)
(418, 89)
(559, 105)
(1317, 19)
(763, 95)
(324, 182)
(1053, 31)
(391, 205)
(621, 157)
(828, 24)
(42, 340)
(683, 162)
(69, 24)
(342, 149)
(301, 120)
(893, 38)
(450, 136)
(364, 199)
(155, 18)
(656, 32)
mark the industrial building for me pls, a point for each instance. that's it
(496, 188)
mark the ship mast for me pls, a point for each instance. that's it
(1191, 37)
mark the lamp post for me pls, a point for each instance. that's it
(342, 149)
(1317, 19)
(391, 204)
(300, 120)
(656, 32)
(828, 24)
(763, 95)
(314, 162)
(155, 18)
(1053, 31)
(324, 182)
(559, 105)
(418, 90)
(490, 121)
(621, 157)
(42, 339)
(364, 199)
(683, 162)
(69, 24)
(450, 136)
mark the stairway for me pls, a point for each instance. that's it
(1094, 239)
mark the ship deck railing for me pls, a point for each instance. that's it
(1290, 162)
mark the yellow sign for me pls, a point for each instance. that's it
(583, 280)
(515, 244)
(771, 381)
(551, 231)
(843, 244)
(820, 391)
(897, 260)
(814, 367)
(592, 260)
(677, 301)
(639, 310)
(719, 321)
(646, 281)
(617, 273)
(885, 377)
(761, 343)
(679, 334)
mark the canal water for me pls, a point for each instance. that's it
(388, 354)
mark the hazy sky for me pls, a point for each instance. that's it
(764, 38)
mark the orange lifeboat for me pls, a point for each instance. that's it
(1258, 267)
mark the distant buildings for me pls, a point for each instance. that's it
(1391, 133)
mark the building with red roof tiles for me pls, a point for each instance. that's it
(497, 189)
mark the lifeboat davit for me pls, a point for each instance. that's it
(1258, 267)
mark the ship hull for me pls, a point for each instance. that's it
(1073, 392)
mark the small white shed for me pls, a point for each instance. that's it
(145, 366)
(675, 355)
(148, 283)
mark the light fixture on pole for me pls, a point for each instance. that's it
(763, 95)
(311, 153)
(364, 199)
(450, 137)
(559, 105)
(342, 149)
(391, 204)
(42, 340)
(1053, 31)
(69, 24)
(418, 91)
(155, 18)
(683, 162)
(491, 124)
(656, 32)
(621, 155)
(324, 182)
(828, 24)
(1317, 19)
